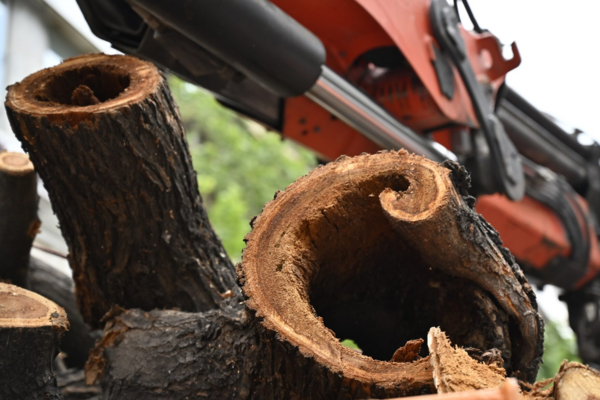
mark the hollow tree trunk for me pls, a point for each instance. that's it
(324, 260)
(20, 223)
(30, 328)
(109, 145)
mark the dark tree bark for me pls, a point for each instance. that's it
(327, 259)
(57, 287)
(20, 223)
(121, 182)
(30, 328)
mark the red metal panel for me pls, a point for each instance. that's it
(532, 232)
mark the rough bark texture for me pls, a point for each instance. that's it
(20, 223)
(121, 182)
(30, 328)
(326, 260)
(221, 354)
(57, 287)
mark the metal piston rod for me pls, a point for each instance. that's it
(358, 110)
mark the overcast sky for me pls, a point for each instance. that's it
(558, 42)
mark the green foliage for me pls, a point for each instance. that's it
(559, 344)
(351, 344)
(240, 165)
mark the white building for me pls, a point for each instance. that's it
(37, 34)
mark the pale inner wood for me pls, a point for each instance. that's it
(17, 306)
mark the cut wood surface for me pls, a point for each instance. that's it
(380, 248)
(576, 382)
(508, 391)
(349, 251)
(120, 178)
(30, 328)
(20, 223)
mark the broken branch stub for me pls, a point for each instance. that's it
(108, 142)
(435, 221)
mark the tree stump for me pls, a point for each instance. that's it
(30, 328)
(332, 257)
(58, 288)
(20, 223)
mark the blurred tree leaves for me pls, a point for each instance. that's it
(240, 165)
(559, 344)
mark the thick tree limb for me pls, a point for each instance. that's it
(20, 223)
(121, 182)
(329, 258)
(30, 328)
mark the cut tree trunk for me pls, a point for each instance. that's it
(20, 223)
(119, 174)
(327, 259)
(30, 328)
(380, 248)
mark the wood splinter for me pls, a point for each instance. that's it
(30, 329)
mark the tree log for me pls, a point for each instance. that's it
(576, 382)
(120, 178)
(328, 258)
(20, 223)
(30, 328)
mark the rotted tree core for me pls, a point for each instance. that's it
(373, 249)
(30, 328)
